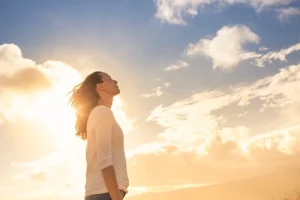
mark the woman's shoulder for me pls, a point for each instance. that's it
(101, 110)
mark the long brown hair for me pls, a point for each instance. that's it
(83, 99)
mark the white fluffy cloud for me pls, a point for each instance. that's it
(175, 11)
(12, 59)
(226, 48)
(28, 88)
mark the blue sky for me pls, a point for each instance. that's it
(66, 30)
(214, 47)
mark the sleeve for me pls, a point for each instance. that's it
(103, 132)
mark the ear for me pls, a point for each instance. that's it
(99, 86)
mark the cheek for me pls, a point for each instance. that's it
(112, 86)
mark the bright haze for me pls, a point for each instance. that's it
(210, 93)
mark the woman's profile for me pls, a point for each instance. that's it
(106, 170)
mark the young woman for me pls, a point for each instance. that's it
(106, 172)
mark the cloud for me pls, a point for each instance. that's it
(260, 4)
(175, 11)
(179, 116)
(276, 145)
(193, 116)
(180, 64)
(276, 55)
(206, 134)
(224, 160)
(67, 163)
(39, 176)
(156, 92)
(226, 48)
(284, 14)
(119, 109)
(20, 74)
(184, 162)
(27, 88)
(25, 80)
(43, 181)
(11, 59)
(263, 48)
(167, 84)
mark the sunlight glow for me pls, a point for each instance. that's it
(50, 111)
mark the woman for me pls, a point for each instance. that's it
(106, 172)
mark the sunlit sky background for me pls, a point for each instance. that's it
(211, 88)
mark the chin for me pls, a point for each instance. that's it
(117, 92)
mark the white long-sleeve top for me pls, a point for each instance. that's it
(105, 147)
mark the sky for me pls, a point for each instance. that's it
(210, 87)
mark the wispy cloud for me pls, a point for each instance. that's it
(180, 64)
(277, 55)
(175, 11)
(263, 48)
(167, 84)
(206, 133)
(284, 14)
(182, 118)
(226, 48)
(157, 91)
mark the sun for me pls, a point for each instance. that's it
(54, 114)
(50, 112)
